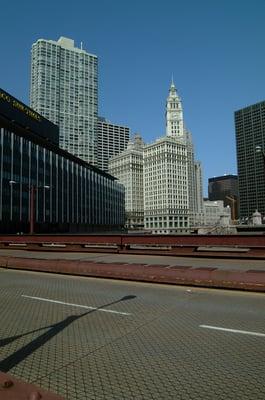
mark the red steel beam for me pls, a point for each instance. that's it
(62, 239)
(246, 240)
(151, 240)
(196, 240)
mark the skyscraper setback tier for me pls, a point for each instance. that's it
(64, 89)
(112, 140)
(250, 134)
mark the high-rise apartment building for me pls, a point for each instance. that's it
(112, 140)
(225, 188)
(64, 89)
(127, 167)
(250, 137)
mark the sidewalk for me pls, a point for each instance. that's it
(222, 273)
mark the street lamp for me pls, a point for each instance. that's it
(32, 190)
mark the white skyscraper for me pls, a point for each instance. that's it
(64, 89)
(166, 196)
(170, 192)
(127, 167)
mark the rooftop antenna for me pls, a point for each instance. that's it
(81, 45)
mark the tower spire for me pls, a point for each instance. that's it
(174, 113)
(172, 80)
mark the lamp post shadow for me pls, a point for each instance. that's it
(18, 356)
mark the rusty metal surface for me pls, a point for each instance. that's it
(14, 389)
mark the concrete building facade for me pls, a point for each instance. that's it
(214, 211)
(127, 167)
(199, 208)
(166, 196)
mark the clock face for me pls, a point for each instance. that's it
(174, 115)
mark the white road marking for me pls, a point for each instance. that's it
(75, 305)
(218, 328)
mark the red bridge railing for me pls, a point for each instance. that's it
(144, 244)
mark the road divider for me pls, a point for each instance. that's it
(253, 280)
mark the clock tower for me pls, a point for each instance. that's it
(174, 113)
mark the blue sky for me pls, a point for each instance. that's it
(215, 50)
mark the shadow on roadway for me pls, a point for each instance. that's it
(21, 354)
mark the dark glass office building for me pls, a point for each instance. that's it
(70, 195)
(225, 188)
(250, 134)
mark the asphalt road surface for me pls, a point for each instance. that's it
(86, 338)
